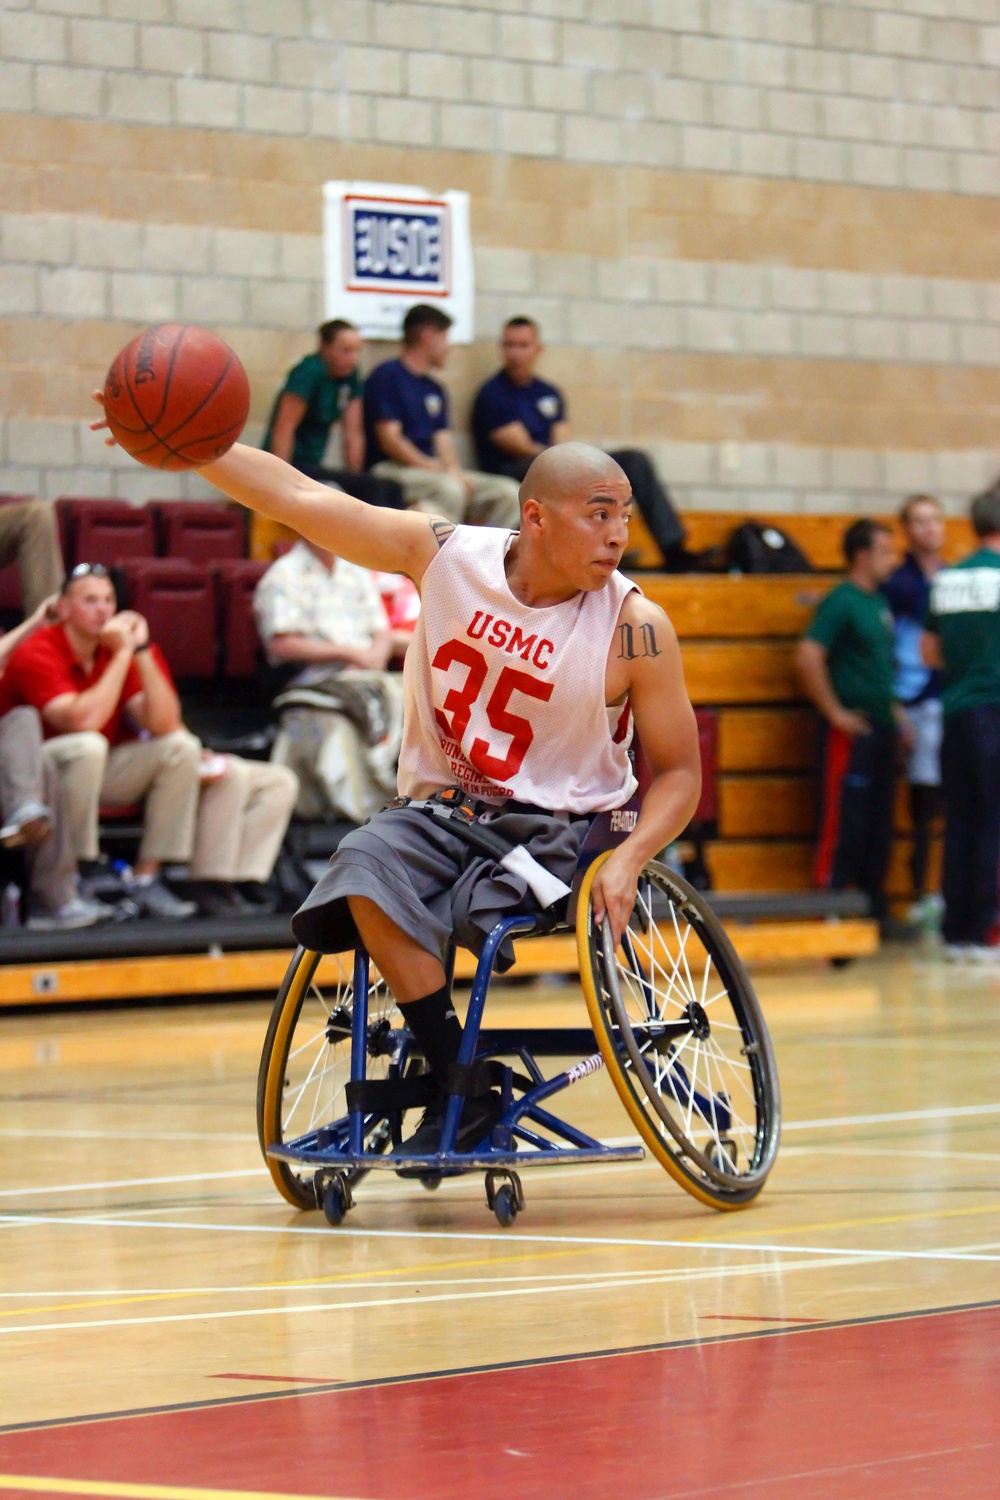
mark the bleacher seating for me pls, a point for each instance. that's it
(204, 532)
(179, 599)
(110, 532)
(240, 642)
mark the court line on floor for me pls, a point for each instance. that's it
(134, 1135)
(39, 1484)
(726, 1246)
(942, 1112)
(610, 1282)
(128, 1182)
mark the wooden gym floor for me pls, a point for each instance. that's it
(170, 1329)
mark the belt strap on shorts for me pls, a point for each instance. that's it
(459, 815)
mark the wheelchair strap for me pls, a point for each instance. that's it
(472, 1080)
(384, 1096)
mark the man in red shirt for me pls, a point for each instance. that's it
(113, 729)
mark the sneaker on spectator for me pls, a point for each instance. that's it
(155, 900)
(73, 914)
(219, 898)
(29, 825)
(956, 953)
(984, 953)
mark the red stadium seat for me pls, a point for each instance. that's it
(240, 641)
(205, 532)
(108, 531)
(178, 598)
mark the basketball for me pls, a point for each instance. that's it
(176, 397)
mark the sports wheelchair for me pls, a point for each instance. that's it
(675, 1020)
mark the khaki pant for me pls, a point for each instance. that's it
(242, 819)
(162, 770)
(492, 502)
(25, 776)
(28, 535)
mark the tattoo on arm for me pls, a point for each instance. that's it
(631, 647)
(442, 531)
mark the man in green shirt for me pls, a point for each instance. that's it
(963, 640)
(320, 391)
(846, 663)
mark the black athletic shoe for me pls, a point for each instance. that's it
(478, 1118)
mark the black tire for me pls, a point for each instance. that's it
(316, 992)
(691, 1058)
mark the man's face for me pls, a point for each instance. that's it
(520, 348)
(882, 556)
(924, 527)
(435, 342)
(341, 355)
(88, 604)
(584, 535)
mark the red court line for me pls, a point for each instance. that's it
(905, 1407)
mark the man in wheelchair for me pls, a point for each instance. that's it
(531, 663)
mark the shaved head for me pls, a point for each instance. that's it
(568, 471)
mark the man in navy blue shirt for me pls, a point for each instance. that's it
(516, 415)
(917, 687)
(409, 438)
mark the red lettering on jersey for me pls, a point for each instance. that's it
(499, 633)
(542, 665)
(458, 701)
(621, 728)
(502, 768)
(521, 644)
(475, 630)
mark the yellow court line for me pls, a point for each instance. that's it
(302, 1282)
(39, 1485)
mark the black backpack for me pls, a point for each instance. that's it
(754, 548)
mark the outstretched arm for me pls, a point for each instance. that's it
(650, 660)
(364, 534)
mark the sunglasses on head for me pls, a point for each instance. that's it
(85, 570)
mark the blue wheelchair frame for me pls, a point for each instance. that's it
(358, 1141)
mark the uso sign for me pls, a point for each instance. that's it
(387, 247)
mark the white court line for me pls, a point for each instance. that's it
(892, 1151)
(726, 1246)
(128, 1182)
(946, 1112)
(568, 1286)
(132, 1135)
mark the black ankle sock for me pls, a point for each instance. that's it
(437, 1029)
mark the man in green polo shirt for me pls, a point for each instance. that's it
(963, 639)
(320, 391)
(846, 664)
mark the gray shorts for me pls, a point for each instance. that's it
(430, 883)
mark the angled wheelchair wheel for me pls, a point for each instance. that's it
(306, 1062)
(683, 1038)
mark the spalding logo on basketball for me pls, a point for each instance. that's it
(176, 397)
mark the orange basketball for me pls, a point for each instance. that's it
(176, 397)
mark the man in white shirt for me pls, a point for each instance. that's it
(342, 711)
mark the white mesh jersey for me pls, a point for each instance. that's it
(506, 701)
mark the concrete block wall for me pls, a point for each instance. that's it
(760, 234)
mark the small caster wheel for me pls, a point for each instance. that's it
(336, 1200)
(723, 1155)
(840, 962)
(505, 1205)
(431, 1181)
